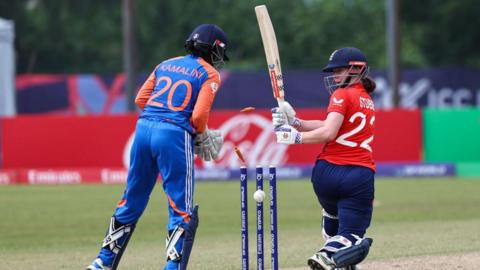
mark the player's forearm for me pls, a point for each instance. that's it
(199, 120)
(327, 131)
(201, 111)
(319, 135)
(309, 125)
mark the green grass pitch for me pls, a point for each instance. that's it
(61, 227)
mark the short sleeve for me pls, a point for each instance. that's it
(338, 102)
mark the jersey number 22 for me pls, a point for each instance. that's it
(343, 139)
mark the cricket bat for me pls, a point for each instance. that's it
(271, 52)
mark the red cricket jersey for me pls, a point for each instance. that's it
(352, 144)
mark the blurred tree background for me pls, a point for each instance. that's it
(72, 36)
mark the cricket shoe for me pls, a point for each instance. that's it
(321, 261)
(350, 267)
(97, 264)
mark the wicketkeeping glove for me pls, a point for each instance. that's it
(208, 144)
(287, 134)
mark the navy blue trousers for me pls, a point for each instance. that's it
(346, 192)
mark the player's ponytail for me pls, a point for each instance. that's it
(369, 84)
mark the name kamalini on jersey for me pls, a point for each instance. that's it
(352, 144)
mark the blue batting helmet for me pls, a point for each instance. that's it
(210, 42)
(351, 58)
(345, 57)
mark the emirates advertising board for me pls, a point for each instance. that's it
(92, 149)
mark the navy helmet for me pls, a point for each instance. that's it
(209, 42)
(348, 57)
(345, 57)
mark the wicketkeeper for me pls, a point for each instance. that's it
(175, 100)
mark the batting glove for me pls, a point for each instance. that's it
(287, 134)
(284, 114)
(278, 118)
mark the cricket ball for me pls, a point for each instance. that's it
(259, 195)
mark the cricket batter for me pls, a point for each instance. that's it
(175, 100)
(343, 176)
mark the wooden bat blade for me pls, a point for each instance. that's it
(272, 55)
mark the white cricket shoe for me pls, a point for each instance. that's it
(97, 264)
(320, 261)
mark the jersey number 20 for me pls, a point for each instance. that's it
(342, 139)
(171, 91)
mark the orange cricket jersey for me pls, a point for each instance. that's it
(352, 144)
